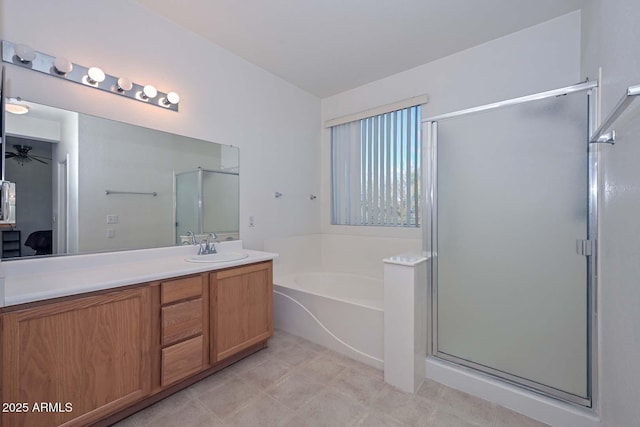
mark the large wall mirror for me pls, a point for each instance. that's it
(88, 184)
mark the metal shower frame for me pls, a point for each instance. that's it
(430, 239)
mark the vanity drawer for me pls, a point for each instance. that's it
(180, 289)
(181, 360)
(181, 320)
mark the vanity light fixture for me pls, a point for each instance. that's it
(95, 76)
(24, 56)
(62, 65)
(123, 84)
(172, 98)
(148, 92)
(16, 108)
(24, 53)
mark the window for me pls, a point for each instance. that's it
(375, 168)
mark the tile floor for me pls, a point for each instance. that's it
(296, 383)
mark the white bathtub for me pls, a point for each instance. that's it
(338, 310)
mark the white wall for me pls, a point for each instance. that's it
(610, 40)
(223, 98)
(31, 127)
(539, 58)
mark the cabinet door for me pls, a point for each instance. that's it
(85, 358)
(241, 301)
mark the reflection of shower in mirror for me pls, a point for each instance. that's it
(201, 197)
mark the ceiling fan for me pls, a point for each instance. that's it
(22, 155)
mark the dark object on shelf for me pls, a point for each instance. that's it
(40, 241)
(11, 244)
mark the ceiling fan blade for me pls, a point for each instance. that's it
(38, 160)
(40, 157)
(9, 154)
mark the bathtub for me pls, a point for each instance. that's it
(341, 311)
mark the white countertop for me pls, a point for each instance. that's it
(38, 279)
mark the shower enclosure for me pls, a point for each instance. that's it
(206, 201)
(511, 209)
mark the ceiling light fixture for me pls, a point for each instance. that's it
(24, 56)
(16, 108)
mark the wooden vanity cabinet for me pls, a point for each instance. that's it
(83, 359)
(97, 358)
(241, 308)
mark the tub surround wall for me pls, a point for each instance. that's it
(296, 254)
(337, 253)
(361, 254)
(405, 321)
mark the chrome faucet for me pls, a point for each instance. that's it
(193, 237)
(208, 246)
(211, 243)
(203, 249)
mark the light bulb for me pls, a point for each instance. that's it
(149, 92)
(24, 53)
(95, 75)
(62, 65)
(16, 108)
(124, 84)
(172, 99)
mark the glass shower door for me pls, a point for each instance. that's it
(510, 289)
(222, 191)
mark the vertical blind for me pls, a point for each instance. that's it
(375, 169)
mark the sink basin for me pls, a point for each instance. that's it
(219, 257)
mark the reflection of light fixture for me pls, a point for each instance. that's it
(24, 53)
(16, 108)
(172, 98)
(95, 75)
(124, 84)
(148, 92)
(62, 65)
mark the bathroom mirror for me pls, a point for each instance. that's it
(88, 184)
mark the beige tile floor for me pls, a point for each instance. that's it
(296, 383)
